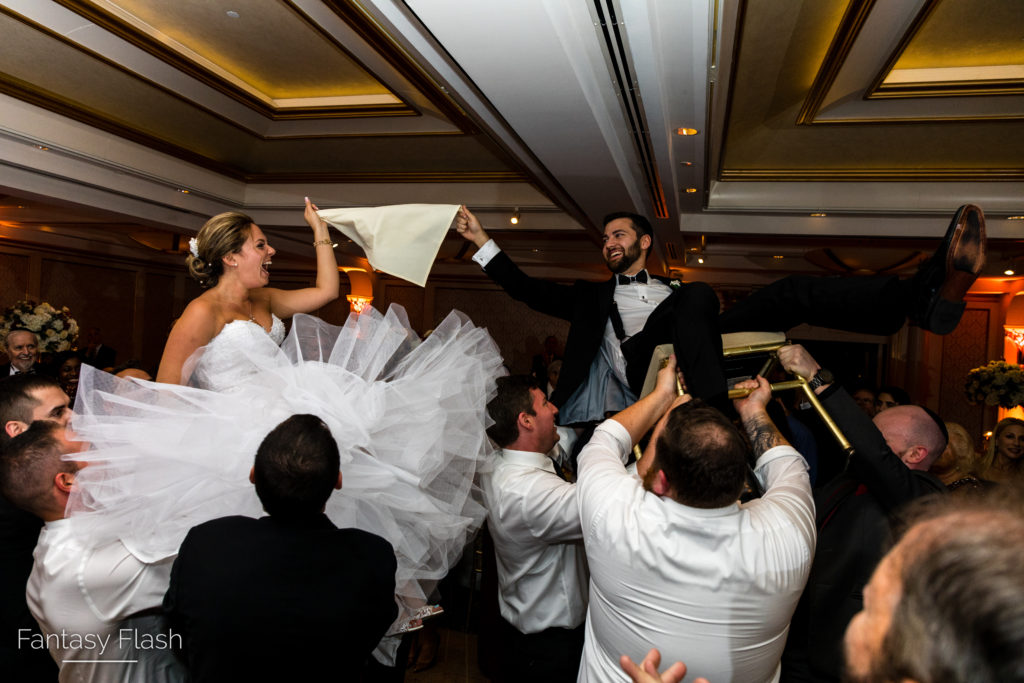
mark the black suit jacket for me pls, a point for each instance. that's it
(37, 369)
(585, 304)
(19, 532)
(854, 516)
(271, 599)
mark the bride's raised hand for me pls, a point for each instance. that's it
(284, 303)
(319, 225)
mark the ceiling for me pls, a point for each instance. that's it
(824, 135)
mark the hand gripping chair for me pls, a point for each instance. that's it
(748, 354)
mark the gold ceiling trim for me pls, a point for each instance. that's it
(948, 89)
(75, 111)
(923, 175)
(405, 64)
(31, 93)
(850, 25)
(171, 57)
(879, 90)
(389, 177)
(67, 107)
(905, 40)
(26, 92)
(973, 118)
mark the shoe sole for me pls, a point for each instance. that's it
(963, 265)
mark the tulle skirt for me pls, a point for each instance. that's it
(409, 418)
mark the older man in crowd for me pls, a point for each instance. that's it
(534, 519)
(676, 562)
(22, 348)
(888, 468)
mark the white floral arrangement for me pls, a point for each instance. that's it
(56, 329)
(997, 384)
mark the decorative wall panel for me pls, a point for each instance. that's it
(965, 348)
(518, 330)
(98, 296)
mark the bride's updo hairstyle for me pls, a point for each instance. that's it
(223, 234)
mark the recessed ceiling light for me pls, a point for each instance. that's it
(691, 190)
(42, 148)
(700, 259)
(778, 256)
(1015, 218)
(515, 217)
(686, 131)
(184, 191)
(1008, 271)
(686, 163)
(233, 14)
(818, 215)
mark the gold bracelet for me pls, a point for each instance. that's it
(329, 242)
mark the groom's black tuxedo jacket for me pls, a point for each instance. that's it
(586, 305)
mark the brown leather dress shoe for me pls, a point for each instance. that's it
(944, 279)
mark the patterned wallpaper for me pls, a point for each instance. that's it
(98, 296)
(13, 278)
(965, 348)
(518, 330)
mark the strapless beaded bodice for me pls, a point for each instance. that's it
(240, 350)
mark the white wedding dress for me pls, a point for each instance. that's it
(409, 417)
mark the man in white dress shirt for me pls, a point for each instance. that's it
(97, 607)
(534, 519)
(676, 562)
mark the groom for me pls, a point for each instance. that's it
(616, 324)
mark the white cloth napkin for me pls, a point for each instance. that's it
(401, 240)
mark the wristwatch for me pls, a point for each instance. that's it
(821, 378)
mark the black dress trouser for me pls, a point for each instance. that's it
(689, 319)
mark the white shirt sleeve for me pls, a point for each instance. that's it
(783, 473)
(485, 253)
(602, 475)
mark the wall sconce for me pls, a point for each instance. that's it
(362, 288)
(515, 217)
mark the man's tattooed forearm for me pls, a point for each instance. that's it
(763, 433)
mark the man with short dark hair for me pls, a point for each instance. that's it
(24, 399)
(616, 324)
(887, 469)
(289, 596)
(22, 347)
(27, 398)
(676, 562)
(85, 599)
(946, 604)
(534, 519)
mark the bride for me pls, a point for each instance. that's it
(408, 415)
(230, 258)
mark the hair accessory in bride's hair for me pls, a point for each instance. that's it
(193, 246)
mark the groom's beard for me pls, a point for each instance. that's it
(630, 255)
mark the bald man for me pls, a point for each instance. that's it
(888, 468)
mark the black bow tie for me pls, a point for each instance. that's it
(640, 277)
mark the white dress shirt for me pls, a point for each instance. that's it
(534, 519)
(81, 595)
(714, 588)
